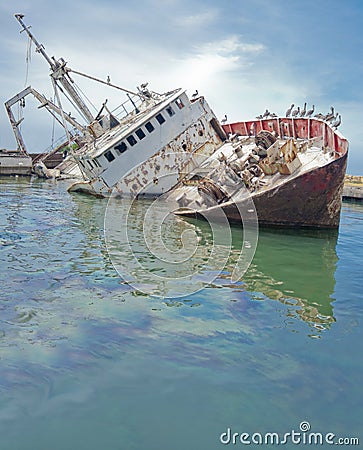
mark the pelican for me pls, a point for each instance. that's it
(266, 113)
(224, 120)
(303, 111)
(310, 112)
(195, 94)
(296, 111)
(288, 112)
(337, 122)
(273, 115)
(320, 116)
(330, 115)
(334, 118)
(108, 79)
(259, 117)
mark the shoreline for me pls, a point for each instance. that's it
(353, 188)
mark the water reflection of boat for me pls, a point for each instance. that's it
(296, 269)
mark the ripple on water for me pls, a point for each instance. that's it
(66, 314)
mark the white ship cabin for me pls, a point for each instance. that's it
(172, 124)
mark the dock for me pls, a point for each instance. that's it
(13, 162)
(353, 188)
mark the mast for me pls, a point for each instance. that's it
(59, 72)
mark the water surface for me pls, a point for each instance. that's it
(88, 363)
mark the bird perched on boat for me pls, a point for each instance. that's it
(296, 112)
(273, 115)
(252, 129)
(224, 120)
(108, 79)
(303, 111)
(288, 112)
(337, 122)
(319, 116)
(266, 113)
(310, 112)
(259, 117)
(330, 115)
(334, 118)
(195, 95)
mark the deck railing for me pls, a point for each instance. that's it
(299, 128)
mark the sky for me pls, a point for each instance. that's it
(243, 55)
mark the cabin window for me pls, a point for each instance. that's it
(109, 156)
(140, 134)
(97, 163)
(150, 127)
(170, 111)
(90, 164)
(160, 118)
(131, 140)
(179, 103)
(120, 147)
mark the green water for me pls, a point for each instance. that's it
(87, 363)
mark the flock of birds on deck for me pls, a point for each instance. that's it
(335, 119)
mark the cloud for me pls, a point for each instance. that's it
(231, 45)
(213, 62)
(201, 19)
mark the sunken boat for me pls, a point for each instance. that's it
(150, 139)
(292, 168)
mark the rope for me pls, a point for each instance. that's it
(103, 82)
(53, 124)
(28, 59)
(21, 105)
(65, 126)
(79, 90)
(75, 106)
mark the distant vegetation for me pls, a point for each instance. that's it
(353, 179)
(67, 148)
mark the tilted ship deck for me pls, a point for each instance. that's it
(292, 168)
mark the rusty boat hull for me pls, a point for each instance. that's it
(312, 200)
(309, 198)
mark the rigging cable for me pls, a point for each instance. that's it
(71, 101)
(21, 105)
(65, 125)
(28, 59)
(79, 91)
(53, 124)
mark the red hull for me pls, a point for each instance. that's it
(310, 200)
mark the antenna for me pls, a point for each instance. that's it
(59, 71)
(39, 47)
